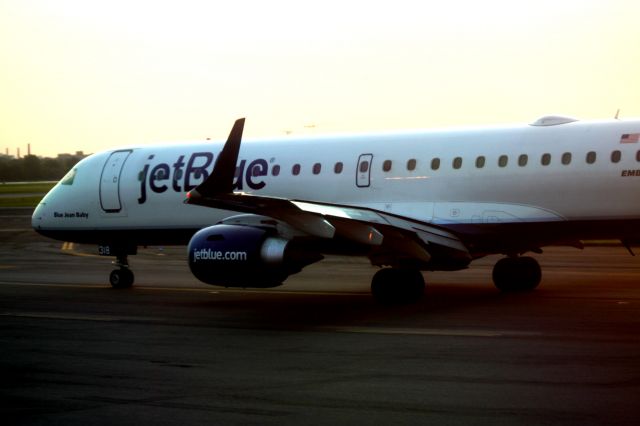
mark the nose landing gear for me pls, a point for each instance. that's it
(122, 277)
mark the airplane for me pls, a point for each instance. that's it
(256, 212)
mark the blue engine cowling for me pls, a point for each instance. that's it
(240, 256)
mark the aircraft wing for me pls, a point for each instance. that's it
(390, 239)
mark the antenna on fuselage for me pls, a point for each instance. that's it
(617, 114)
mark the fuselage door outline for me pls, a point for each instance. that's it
(363, 171)
(110, 181)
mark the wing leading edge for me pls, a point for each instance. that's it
(392, 240)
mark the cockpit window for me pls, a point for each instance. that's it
(68, 178)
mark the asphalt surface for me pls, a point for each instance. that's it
(317, 350)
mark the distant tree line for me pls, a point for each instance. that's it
(33, 168)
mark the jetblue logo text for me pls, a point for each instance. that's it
(216, 255)
(185, 174)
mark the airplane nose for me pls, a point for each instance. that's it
(38, 216)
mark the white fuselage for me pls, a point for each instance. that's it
(446, 178)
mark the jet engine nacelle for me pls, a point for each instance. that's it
(241, 256)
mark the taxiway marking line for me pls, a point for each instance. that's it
(429, 332)
(54, 285)
(75, 253)
(438, 332)
(77, 317)
(212, 290)
(50, 315)
(69, 248)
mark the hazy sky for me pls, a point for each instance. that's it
(91, 75)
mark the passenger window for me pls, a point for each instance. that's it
(523, 160)
(591, 157)
(457, 162)
(545, 160)
(275, 170)
(337, 169)
(295, 170)
(615, 156)
(317, 168)
(411, 164)
(177, 175)
(364, 167)
(638, 156)
(480, 162)
(386, 166)
(503, 161)
(566, 158)
(435, 164)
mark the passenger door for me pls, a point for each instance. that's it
(110, 181)
(363, 171)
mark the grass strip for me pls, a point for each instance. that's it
(27, 201)
(26, 188)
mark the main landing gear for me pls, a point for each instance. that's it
(122, 277)
(516, 274)
(397, 286)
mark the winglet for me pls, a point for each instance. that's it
(220, 181)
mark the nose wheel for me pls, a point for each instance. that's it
(122, 277)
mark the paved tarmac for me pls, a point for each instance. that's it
(317, 350)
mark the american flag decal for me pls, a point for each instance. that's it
(630, 138)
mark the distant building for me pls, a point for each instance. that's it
(79, 155)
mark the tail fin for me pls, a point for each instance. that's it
(220, 181)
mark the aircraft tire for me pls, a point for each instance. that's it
(121, 278)
(517, 274)
(395, 286)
